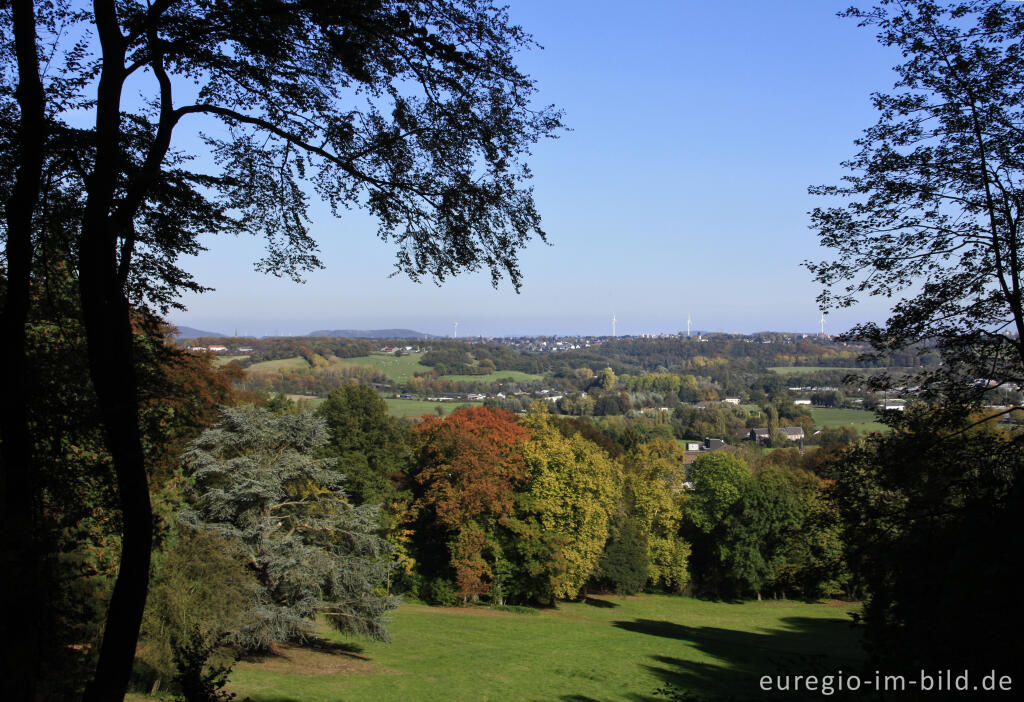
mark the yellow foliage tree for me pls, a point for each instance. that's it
(573, 487)
(653, 476)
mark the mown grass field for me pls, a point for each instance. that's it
(611, 649)
(417, 408)
(278, 365)
(398, 369)
(224, 360)
(794, 370)
(492, 377)
(863, 420)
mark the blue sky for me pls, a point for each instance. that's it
(682, 189)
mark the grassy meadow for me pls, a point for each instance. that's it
(609, 648)
(492, 377)
(863, 420)
(278, 365)
(398, 369)
(417, 408)
(794, 370)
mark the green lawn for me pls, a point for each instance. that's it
(397, 368)
(863, 420)
(492, 377)
(224, 360)
(280, 364)
(793, 370)
(611, 649)
(417, 408)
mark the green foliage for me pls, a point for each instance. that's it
(624, 565)
(932, 522)
(201, 594)
(198, 681)
(367, 444)
(653, 479)
(440, 592)
(934, 194)
(314, 553)
(718, 479)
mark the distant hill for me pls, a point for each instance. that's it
(373, 334)
(190, 333)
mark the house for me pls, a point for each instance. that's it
(713, 444)
(760, 435)
(733, 400)
(898, 405)
(217, 348)
(695, 448)
(792, 433)
(802, 401)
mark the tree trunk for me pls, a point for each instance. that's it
(106, 314)
(23, 594)
(111, 366)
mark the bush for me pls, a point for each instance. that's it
(624, 564)
(440, 592)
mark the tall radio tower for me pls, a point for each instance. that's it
(823, 323)
(689, 323)
(455, 334)
(613, 324)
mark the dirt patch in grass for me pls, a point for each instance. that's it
(300, 660)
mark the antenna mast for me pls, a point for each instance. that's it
(689, 322)
(455, 334)
(613, 324)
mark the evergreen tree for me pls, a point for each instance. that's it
(313, 552)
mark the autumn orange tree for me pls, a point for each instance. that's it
(467, 469)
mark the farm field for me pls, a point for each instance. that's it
(863, 420)
(278, 365)
(397, 368)
(607, 649)
(492, 377)
(417, 408)
(219, 361)
(793, 370)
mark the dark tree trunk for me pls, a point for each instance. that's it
(22, 592)
(109, 335)
(107, 318)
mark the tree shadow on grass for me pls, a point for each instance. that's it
(801, 646)
(595, 602)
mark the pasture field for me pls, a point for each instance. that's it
(398, 369)
(609, 648)
(278, 365)
(219, 361)
(793, 370)
(863, 420)
(492, 377)
(417, 408)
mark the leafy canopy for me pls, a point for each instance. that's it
(935, 190)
